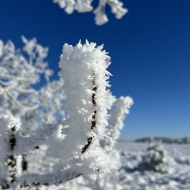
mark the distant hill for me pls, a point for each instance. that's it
(185, 140)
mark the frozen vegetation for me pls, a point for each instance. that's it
(155, 159)
(128, 177)
(83, 6)
(83, 141)
(80, 151)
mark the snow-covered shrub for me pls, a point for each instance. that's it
(72, 144)
(155, 158)
(19, 70)
(85, 6)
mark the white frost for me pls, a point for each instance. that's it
(85, 6)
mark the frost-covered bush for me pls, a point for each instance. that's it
(19, 70)
(155, 158)
(71, 146)
(85, 6)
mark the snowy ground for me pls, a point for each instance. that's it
(177, 177)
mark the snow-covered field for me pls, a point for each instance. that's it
(177, 177)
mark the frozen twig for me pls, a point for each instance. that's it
(85, 6)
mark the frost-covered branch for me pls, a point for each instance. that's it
(24, 108)
(9, 163)
(93, 125)
(85, 6)
(17, 74)
(117, 116)
(25, 90)
(43, 135)
(71, 146)
(19, 79)
(3, 84)
(88, 101)
(11, 87)
(48, 179)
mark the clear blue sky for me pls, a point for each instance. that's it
(149, 47)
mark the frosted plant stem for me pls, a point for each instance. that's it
(24, 163)
(49, 179)
(93, 126)
(11, 162)
(6, 90)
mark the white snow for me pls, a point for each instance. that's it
(177, 178)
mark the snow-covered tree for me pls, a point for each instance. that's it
(17, 75)
(71, 145)
(85, 6)
(155, 158)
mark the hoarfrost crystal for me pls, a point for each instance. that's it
(85, 6)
